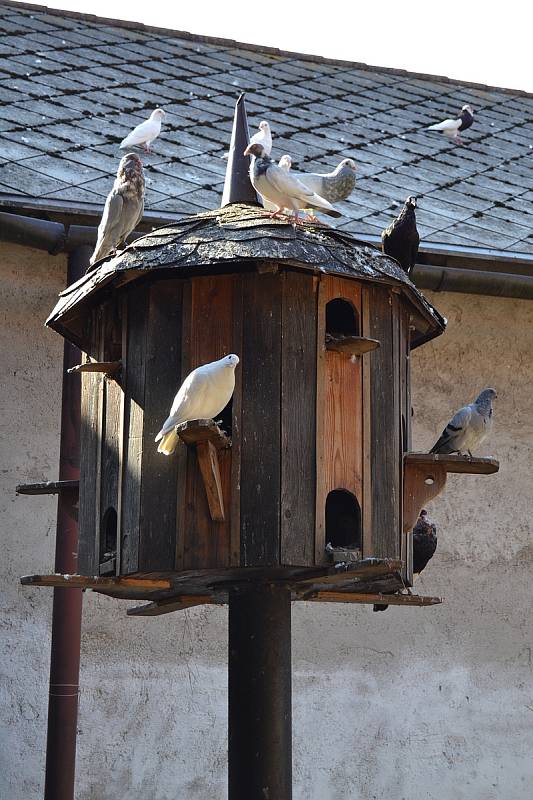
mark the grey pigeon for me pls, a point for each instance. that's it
(332, 186)
(467, 429)
(281, 187)
(123, 208)
(452, 127)
(204, 393)
(400, 240)
(146, 132)
(424, 546)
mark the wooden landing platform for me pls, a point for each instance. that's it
(48, 487)
(368, 581)
(462, 464)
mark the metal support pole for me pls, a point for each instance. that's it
(67, 604)
(260, 713)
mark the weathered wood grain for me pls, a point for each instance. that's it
(298, 418)
(160, 473)
(261, 422)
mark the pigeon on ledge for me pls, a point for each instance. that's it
(424, 546)
(262, 137)
(123, 208)
(281, 188)
(204, 393)
(452, 127)
(146, 132)
(400, 240)
(467, 429)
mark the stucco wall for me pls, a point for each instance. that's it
(411, 703)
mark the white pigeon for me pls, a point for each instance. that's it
(285, 163)
(146, 132)
(452, 127)
(204, 393)
(468, 427)
(262, 137)
(280, 187)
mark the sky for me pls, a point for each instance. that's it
(485, 42)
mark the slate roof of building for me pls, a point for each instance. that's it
(72, 86)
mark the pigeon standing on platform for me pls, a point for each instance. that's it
(424, 546)
(262, 137)
(285, 163)
(467, 429)
(204, 393)
(452, 127)
(400, 240)
(146, 132)
(280, 187)
(332, 186)
(123, 208)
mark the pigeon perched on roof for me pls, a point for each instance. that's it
(204, 393)
(424, 546)
(467, 429)
(146, 132)
(452, 127)
(123, 208)
(280, 187)
(262, 137)
(332, 186)
(400, 240)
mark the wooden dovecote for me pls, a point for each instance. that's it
(317, 431)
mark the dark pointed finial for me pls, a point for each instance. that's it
(237, 186)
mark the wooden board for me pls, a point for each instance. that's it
(47, 487)
(340, 409)
(134, 361)
(207, 541)
(454, 463)
(351, 345)
(388, 599)
(160, 473)
(384, 440)
(260, 420)
(90, 426)
(298, 418)
(169, 604)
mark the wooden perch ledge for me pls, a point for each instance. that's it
(47, 487)
(208, 438)
(109, 368)
(351, 345)
(425, 477)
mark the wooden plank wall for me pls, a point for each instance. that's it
(406, 443)
(261, 420)
(162, 370)
(383, 430)
(207, 544)
(339, 411)
(298, 418)
(133, 368)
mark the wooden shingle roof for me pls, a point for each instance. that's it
(72, 86)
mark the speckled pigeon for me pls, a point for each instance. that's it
(262, 137)
(285, 163)
(400, 240)
(146, 132)
(424, 546)
(204, 393)
(280, 187)
(123, 208)
(452, 127)
(332, 186)
(467, 429)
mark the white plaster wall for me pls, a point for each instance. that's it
(418, 704)
(30, 411)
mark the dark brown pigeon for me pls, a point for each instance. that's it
(400, 240)
(424, 546)
(123, 208)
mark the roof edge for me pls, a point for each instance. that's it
(196, 37)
